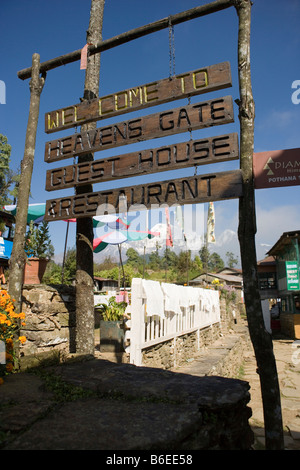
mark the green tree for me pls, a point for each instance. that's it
(169, 260)
(198, 263)
(155, 259)
(70, 265)
(204, 257)
(231, 260)
(52, 274)
(107, 263)
(215, 262)
(38, 242)
(8, 179)
(133, 258)
(116, 273)
(183, 266)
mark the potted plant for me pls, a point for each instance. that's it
(39, 250)
(111, 325)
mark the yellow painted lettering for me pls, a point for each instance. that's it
(148, 92)
(136, 93)
(202, 82)
(67, 115)
(125, 105)
(76, 118)
(182, 77)
(101, 106)
(53, 121)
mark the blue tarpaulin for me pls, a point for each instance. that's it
(5, 248)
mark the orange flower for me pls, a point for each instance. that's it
(9, 367)
(22, 339)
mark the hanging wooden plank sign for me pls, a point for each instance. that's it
(171, 157)
(191, 117)
(196, 82)
(191, 190)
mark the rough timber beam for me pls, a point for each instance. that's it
(131, 35)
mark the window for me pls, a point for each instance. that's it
(267, 281)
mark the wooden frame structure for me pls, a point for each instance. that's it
(247, 226)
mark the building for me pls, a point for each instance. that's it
(229, 276)
(285, 281)
(102, 284)
(267, 278)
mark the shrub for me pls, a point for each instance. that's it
(9, 324)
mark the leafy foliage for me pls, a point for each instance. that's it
(9, 180)
(113, 311)
(231, 259)
(37, 241)
(116, 273)
(169, 266)
(133, 258)
(53, 274)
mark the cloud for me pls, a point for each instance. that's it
(226, 238)
(271, 223)
(276, 119)
(278, 129)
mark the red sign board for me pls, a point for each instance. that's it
(276, 168)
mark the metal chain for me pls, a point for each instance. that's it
(171, 48)
(190, 129)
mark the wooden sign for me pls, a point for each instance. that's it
(190, 190)
(214, 77)
(277, 168)
(171, 157)
(191, 117)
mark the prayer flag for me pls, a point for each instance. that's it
(211, 224)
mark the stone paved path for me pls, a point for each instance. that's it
(287, 356)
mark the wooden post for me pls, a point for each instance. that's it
(261, 339)
(137, 330)
(85, 322)
(17, 260)
(65, 251)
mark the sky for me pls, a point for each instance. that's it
(58, 27)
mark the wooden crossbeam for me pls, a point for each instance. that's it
(128, 36)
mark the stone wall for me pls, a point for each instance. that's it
(230, 313)
(177, 351)
(50, 328)
(50, 320)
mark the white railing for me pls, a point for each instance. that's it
(161, 312)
